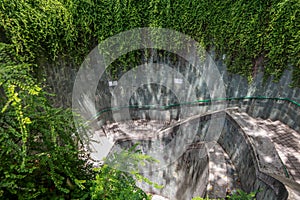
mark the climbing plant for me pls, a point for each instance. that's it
(252, 35)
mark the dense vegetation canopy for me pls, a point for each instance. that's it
(251, 34)
(39, 150)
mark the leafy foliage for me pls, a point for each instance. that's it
(113, 184)
(240, 194)
(39, 157)
(116, 179)
(254, 35)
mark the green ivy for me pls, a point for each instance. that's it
(254, 35)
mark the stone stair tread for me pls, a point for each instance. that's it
(285, 140)
(287, 143)
(267, 156)
(222, 176)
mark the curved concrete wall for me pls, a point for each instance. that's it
(237, 145)
(60, 78)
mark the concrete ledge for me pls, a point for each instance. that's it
(244, 156)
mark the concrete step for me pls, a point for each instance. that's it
(223, 177)
(266, 154)
(287, 144)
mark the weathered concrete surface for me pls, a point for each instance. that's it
(248, 146)
(275, 143)
(185, 178)
(182, 180)
(157, 197)
(251, 160)
(61, 78)
(265, 136)
(275, 110)
(223, 177)
(264, 149)
(287, 144)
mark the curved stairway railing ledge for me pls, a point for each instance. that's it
(165, 131)
(248, 163)
(275, 108)
(261, 144)
(265, 174)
